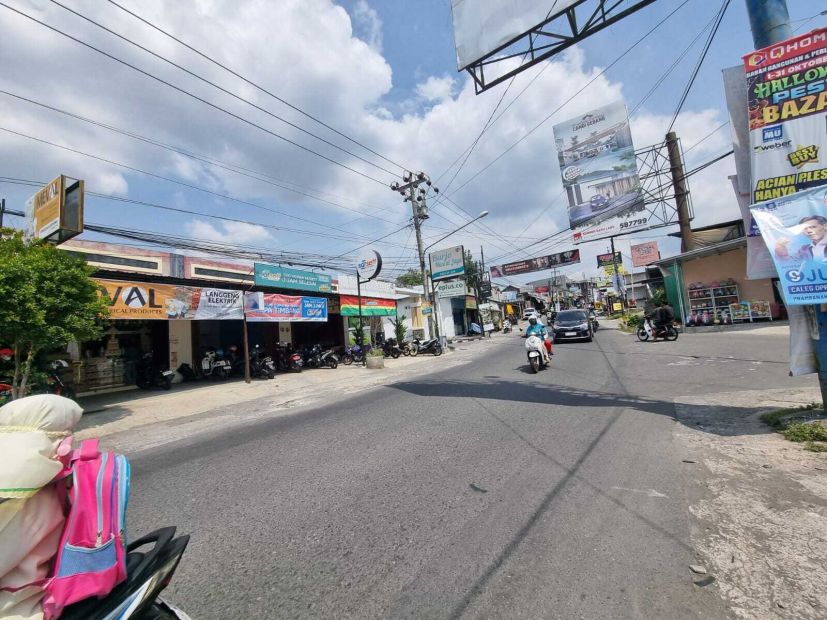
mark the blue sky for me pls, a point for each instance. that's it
(382, 72)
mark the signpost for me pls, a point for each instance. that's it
(448, 263)
(55, 213)
(368, 265)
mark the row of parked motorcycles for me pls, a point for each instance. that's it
(392, 348)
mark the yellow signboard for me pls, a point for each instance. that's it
(609, 270)
(139, 300)
(617, 307)
(55, 212)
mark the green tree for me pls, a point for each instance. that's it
(399, 328)
(412, 277)
(472, 273)
(49, 300)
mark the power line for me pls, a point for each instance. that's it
(168, 179)
(700, 63)
(251, 83)
(192, 95)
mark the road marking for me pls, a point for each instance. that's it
(647, 492)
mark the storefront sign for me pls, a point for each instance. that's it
(55, 212)
(509, 295)
(470, 302)
(645, 253)
(447, 263)
(539, 263)
(451, 288)
(795, 231)
(141, 300)
(597, 163)
(369, 265)
(426, 308)
(260, 307)
(371, 306)
(787, 103)
(541, 290)
(285, 277)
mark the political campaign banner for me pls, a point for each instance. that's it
(539, 263)
(787, 102)
(600, 177)
(644, 253)
(795, 231)
(262, 307)
(144, 300)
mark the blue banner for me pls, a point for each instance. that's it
(795, 231)
(295, 279)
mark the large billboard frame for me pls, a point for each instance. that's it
(560, 30)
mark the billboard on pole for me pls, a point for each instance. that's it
(449, 263)
(560, 259)
(787, 102)
(597, 162)
(482, 26)
(645, 253)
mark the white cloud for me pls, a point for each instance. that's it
(369, 24)
(239, 233)
(343, 81)
(436, 88)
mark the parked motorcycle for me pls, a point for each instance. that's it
(390, 348)
(149, 375)
(150, 563)
(647, 330)
(261, 365)
(54, 384)
(432, 345)
(535, 356)
(287, 359)
(318, 357)
(215, 366)
(407, 348)
(355, 353)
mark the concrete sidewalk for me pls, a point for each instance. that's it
(196, 405)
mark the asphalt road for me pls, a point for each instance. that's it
(480, 492)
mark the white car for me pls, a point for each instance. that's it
(531, 313)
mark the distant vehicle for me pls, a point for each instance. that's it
(598, 202)
(531, 313)
(572, 325)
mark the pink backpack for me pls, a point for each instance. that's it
(91, 558)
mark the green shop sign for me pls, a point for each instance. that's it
(296, 279)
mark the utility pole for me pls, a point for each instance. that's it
(2, 209)
(413, 193)
(621, 295)
(681, 194)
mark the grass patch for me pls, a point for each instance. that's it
(794, 424)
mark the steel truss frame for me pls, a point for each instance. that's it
(558, 32)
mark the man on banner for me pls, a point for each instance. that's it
(815, 229)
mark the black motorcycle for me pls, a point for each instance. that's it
(318, 357)
(390, 348)
(261, 365)
(148, 374)
(432, 345)
(150, 564)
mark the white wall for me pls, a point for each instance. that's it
(180, 343)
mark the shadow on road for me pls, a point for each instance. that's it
(712, 419)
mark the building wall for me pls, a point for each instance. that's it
(180, 344)
(730, 264)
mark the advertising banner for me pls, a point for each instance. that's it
(141, 300)
(451, 288)
(260, 307)
(284, 277)
(645, 253)
(795, 231)
(560, 259)
(787, 100)
(55, 212)
(371, 306)
(509, 295)
(607, 260)
(541, 290)
(447, 263)
(597, 163)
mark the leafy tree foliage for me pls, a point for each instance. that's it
(49, 300)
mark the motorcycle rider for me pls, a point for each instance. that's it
(536, 328)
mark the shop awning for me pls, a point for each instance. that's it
(371, 306)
